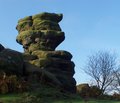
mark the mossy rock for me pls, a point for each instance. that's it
(43, 21)
(40, 40)
(69, 83)
(28, 57)
(53, 54)
(48, 16)
(44, 16)
(40, 34)
(41, 29)
(39, 46)
(83, 88)
(33, 47)
(49, 77)
(23, 36)
(59, 64)
(24, 25)
(11, 62)
(60, 71)
(25, 19)
(44, 34)
(41, 63)
(46, 25)
(52, 34)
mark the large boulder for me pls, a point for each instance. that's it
(83, 90)
(11, 62)
(56, 64)
(46, 76)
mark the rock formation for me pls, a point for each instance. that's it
(40, 35)
(40, 32)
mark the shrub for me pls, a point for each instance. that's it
(83, 90)
(43, 94)
(95, 92)
(116, 96)
(3, 87)
(29, 98)
(11, 83)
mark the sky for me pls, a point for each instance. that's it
(89, 26)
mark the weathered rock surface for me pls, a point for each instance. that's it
(40, 35)
(11, 62)
(40, 32)
(40, 39)
(53, 54)
(47, 76)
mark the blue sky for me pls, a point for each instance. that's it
(90, 25)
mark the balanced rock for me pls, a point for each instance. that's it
(40, 35)
(40, 32)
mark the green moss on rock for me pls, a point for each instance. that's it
(41, 63)
(46, 25)
(25, 19)
(28, 57)
(40, 40)
(33, 47)
(40, 35)
(48, 16)
(53, 54)
(24, 25)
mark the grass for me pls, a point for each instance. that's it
(79, 100)
(8, 98)
(47, 95)
(91, 101)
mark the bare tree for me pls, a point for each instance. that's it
(100, 67)
(116, 83)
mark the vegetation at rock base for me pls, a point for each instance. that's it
(15, 98)
(46, 94)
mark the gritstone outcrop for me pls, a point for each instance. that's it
(40, 35)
